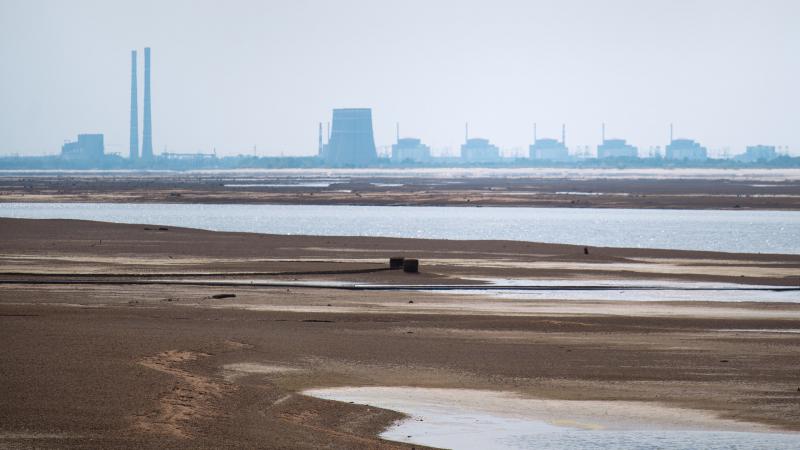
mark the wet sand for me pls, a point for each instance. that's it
(120, 365)
(571, 188)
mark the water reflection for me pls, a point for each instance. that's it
(731, 231)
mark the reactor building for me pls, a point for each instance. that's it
(478, 150)
(546, 149)
(410, 150)
(684, 149)
(688, 149)
(351, 142)
(615, 148)
(755, 153)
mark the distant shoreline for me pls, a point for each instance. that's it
(742, 173)
(629, 188)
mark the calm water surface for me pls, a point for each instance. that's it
(449, 418)
(729, 231)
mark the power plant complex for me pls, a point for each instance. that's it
(350, 142)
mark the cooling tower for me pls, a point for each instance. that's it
(147, 133)
(134, 150)
(351, 142)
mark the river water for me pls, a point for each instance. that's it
(712, 230)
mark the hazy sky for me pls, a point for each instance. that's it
(233, 74)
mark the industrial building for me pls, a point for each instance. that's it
(410, 150)
(546, 149)
(88, 147)
(351, 142)
(686, 149)
(478, 150)
(616, 148)
(755, 153)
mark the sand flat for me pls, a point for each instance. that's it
(148, 365)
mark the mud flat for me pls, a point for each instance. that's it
(121, 365)
(777, 189)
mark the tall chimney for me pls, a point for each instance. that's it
(134, 148)
(319, 149)
(534, 133)
(398, 132)
(563, 135)
(670, 134)
(147, 133)
(603, 137)
(466, 131)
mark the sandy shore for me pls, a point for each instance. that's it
(120, 365)
(681, 189)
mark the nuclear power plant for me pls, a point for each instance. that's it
(147, 132)
(350, 142)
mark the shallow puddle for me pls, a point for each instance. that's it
(760, 330)
(633, 290)
(473, 419)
